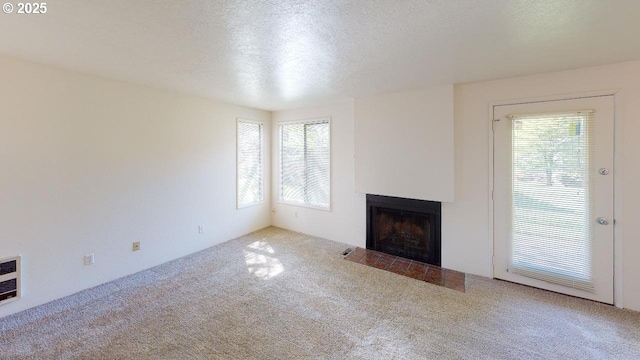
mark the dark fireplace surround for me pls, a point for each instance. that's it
(408, 228)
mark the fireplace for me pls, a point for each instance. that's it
(407, 228)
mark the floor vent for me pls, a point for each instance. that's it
(9, 279)
(346, 252)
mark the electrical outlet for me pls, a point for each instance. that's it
(201, 229)
(136, 246)
(295, 214)
(89, 259)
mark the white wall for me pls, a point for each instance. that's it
(404, 144)
(90, 165)
(466, 239)
(346, 220)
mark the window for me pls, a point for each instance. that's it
(552, 197)
(304, 163)
(250, 163)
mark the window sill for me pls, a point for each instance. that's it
(328, 209)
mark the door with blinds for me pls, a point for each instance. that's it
(553, 195)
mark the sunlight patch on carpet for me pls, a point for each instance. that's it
(260, 260)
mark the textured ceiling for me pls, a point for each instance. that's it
(286, 54)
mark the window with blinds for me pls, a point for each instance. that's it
(250, 163)
(305, 163)
(552, 161)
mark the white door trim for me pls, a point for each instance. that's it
(617, 159)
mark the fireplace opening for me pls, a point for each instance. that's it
(408, 228)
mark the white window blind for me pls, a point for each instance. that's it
(250, 163)
(552, 203)
(305, 163)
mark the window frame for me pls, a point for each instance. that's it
(305, 121)
(262, 156)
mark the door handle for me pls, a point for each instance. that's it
(602, 221)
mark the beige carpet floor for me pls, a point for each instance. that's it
(276, 294)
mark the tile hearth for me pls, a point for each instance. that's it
(414, 269)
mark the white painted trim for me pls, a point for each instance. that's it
(617, 198)
(617, 201)
(307, 205)
(261, 123)
(491, 245)
(304, 121)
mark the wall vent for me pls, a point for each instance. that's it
(9, 279)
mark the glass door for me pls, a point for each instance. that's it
(553, 196)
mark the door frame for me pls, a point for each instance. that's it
(617, 186)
